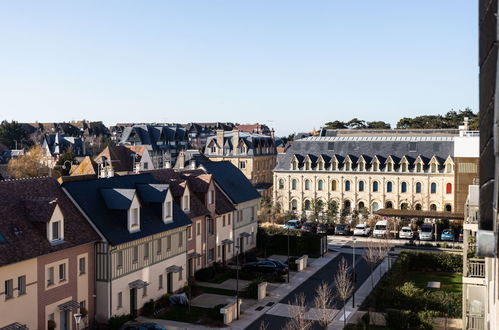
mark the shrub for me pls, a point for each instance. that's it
(215, 312)
(149, 308)
(205, 274)
(251, 291)
(163, 301)
(117, 321)
(398, 319)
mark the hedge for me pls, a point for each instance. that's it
(275, 240)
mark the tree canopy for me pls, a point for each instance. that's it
(13, 135)
(356, 123)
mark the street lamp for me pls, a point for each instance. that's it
(353, 277)
(237, 282)
(289, 264)
(77, 317)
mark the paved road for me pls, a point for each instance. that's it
(308, 289)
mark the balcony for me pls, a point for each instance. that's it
(474, 322)
(475, 268)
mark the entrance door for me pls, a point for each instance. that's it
(191, 267)
(223, 253)
(133, 302)
(65, 320)
(169, 283)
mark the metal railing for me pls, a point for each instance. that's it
(475, 268)
(475, 322)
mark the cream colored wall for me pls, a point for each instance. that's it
(55, 265)
(22, 308)
(222, 233)
(54, 309)
(247, 217)
(440, 198)
(258, 168)
(149, 274)
(83, 279)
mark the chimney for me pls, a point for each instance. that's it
(181, 160)
(193, 164)
(167, 164)
(272, 133)
(235, 140)
(220, 138)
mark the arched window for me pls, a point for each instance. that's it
(433, 207)
(320, 205)
(448, 188)
(403, 187)
(347, 205)
(418, 187)
(307, 166)
(389, 205)
(389, 186)
(295, 165)
(433, 188)
(375, 206)
(333, 206)
(375, 186)
(361, 206)
(361, 185)
(307, 184)
(390, 167)
(307, 205)
(449, 168)
(361, 166)
(348, 166)
(404, 167)
(347, 185)
(320, 185)
(448, 208)
(321, 166)
(334, 166)
(418, 207)
(433, 168)
(294, 184)
(375, 167)
(404, 206)
(333, 185)
(281, 183)
(418, 167)
(294, 205)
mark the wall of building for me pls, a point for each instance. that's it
(258, 169)
(224, 231)
(20, 308)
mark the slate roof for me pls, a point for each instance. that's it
(254, 142)
(26, 207)
(232, 181)
(187, 156)
(120, 157)
(153, 136)
(113, 224)
(381, 146)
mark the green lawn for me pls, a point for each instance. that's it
(452, 282)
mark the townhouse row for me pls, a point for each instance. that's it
(104, 247)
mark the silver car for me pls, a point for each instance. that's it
(406, 232)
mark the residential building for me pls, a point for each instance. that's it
(420, 172)
(123, 160)
(56, 144)
(488, 229)
(198, 133)
(141, 254)
(255, 128)
(244, 198)
(254, 155)
(189, 159)
(164, 142)
(46, 257)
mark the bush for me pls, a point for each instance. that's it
(205, 274)
(117, 321)
(251, 291)
(149, 308)
(163, 301)
(398, 319)
(215, 312)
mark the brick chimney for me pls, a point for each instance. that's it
(181, 160)
(220, 138)
(235, 140)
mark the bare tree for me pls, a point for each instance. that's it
(344, 285)
(371, 257)
(382, 250)
(263, 325)
(29, 165)
(324, 304)
(297, 313)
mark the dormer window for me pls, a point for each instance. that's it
(433, 168)
(133, 220)
(419, 168)
(361, 166)
(167, 210)
(403, 168)
(321, 166)
(213, 149)
(375, 167)
(449, 168)
(211, 197)
(55, 227)
(348, 166)
(389, 167)
(56, 234)
(185, 203)
(307, 166)
(294, 165)
(334, 166)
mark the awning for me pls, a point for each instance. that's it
(193, 255)
(245, 234)
(15, 326)
(419, 214)
(69, 306)
(137, 284)
(227, 241)
(174, 269)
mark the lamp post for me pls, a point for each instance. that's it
(289, 264)
(237, 282)
(353, 277)
(77, 317)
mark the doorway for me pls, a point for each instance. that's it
(223, 254)
(169, 282)
(133, 302)
(65, 320)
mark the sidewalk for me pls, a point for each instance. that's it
(360, 295)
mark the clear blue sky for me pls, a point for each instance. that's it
(291, 64)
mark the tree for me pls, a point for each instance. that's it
(356, 123)
(336, 125)
(66, 156)
(323, 302)
(343, 283)
(371, 258)
(13, 135)
(297, 314)
(378, 125)
(29, 165)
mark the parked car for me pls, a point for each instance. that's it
(342, 229)
(322, 228)
(265, 266)
(447, 235)
(292, 224)
(142, 326)
(279, 264)
(308, 227)
(362, 230)
(406, 232)
(381, 229)
(426, 232)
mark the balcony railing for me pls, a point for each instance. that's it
(475, 322)
(475, 268)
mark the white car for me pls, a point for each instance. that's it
(406, 232)
(426, 232)
(381, 229)
(362, 230)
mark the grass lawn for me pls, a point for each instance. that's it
(197, 315)
(224, 292)
(451, 282)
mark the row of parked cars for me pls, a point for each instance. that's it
(425, 233)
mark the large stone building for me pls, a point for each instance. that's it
(254, 154)
(423, 171)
